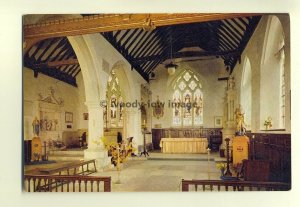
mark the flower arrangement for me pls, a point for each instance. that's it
(221, 166)
(268, 123)
(107, 144)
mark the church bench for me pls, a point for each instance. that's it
(60, 183)
(221, 185)
(74, 166)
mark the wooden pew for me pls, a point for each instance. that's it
(68, 167)
(221, 185)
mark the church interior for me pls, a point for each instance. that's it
(156, 102)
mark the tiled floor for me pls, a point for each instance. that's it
(158, 172)
(162, 172)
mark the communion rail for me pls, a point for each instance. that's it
(59, 183)
(220, 185)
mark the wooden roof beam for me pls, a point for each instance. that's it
(34, 33)
(63, 62)
(58, 63)
(189, 54)
(112, 22)
(54, 73)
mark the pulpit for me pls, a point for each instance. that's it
(240, 147)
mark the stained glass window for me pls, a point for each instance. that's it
(113, 115)
(187, 100)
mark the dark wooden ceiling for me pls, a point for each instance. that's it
(145, 50)
(54, 57)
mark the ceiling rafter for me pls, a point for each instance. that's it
(122, 50)
(236, 22)
(223, 37)
(71, 72)
(230, 32)
(139, 43)
(46, 49)
(247, 35)
(232, 28)
(130, 37)
(77, 72)
(146, 43)
(154, 40)
(133, 40)
(124, 35)
(53, 57)
(59, 45)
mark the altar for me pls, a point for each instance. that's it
(183, 145)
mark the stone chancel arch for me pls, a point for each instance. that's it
(96, 65)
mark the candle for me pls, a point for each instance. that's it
(144, 122)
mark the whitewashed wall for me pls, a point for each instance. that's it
(265, 82)
(72, 96)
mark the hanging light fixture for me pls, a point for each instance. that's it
(171, 67)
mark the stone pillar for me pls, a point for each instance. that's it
(133, 126)
(229, 105)
(95, 132)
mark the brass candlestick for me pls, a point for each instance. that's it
(227, 173)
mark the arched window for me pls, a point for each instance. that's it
(187, 100)
(113, 113)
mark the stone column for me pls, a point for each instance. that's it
(133, 126)
(230, 105)
(95, 132)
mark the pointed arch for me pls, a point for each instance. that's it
(187, 100)
(246, 92)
